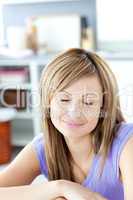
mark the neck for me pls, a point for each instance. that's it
(80, 148)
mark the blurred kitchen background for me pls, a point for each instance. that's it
(34, 31)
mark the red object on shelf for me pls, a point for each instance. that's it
(13, 75)
(5, 142)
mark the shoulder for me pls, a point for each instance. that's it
(38, 139)
(126, 165)
(127, 152)
(124, 132)
(123, 136)
(38, 144)
(124, 139)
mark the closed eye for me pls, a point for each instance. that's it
(65, 100)
(89, 104)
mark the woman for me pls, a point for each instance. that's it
(85, 150)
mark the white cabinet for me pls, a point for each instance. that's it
(27, 122)
(123, 70)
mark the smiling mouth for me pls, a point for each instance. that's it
(73, 124)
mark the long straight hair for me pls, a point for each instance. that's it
(66, 68)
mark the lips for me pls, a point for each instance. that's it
(73, 124)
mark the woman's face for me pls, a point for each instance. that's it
(75, 110)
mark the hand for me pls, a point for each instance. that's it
(75, 191)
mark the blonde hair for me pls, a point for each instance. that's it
(62, 71)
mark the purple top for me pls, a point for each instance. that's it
(109, 185)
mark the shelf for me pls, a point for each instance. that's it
(28, 60)
(17, 86)
(11, 2)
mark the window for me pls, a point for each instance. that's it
(114, 25)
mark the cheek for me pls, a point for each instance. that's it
(92, 121)
(56, 121)
(94, 113)
(90, 125)
(55, 115)
(55, 112)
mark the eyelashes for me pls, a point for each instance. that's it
(64, 100)
(86, 103)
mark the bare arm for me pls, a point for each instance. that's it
(15, 179)
(22, 170)
(75, 191)
(45, 191)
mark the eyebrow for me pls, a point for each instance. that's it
(88, 93)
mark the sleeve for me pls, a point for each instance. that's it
(125, 133)
(38, 145)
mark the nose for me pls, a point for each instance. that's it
(74, 110)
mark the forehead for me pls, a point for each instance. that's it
(84, 86)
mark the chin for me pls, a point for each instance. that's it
(70, 133)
